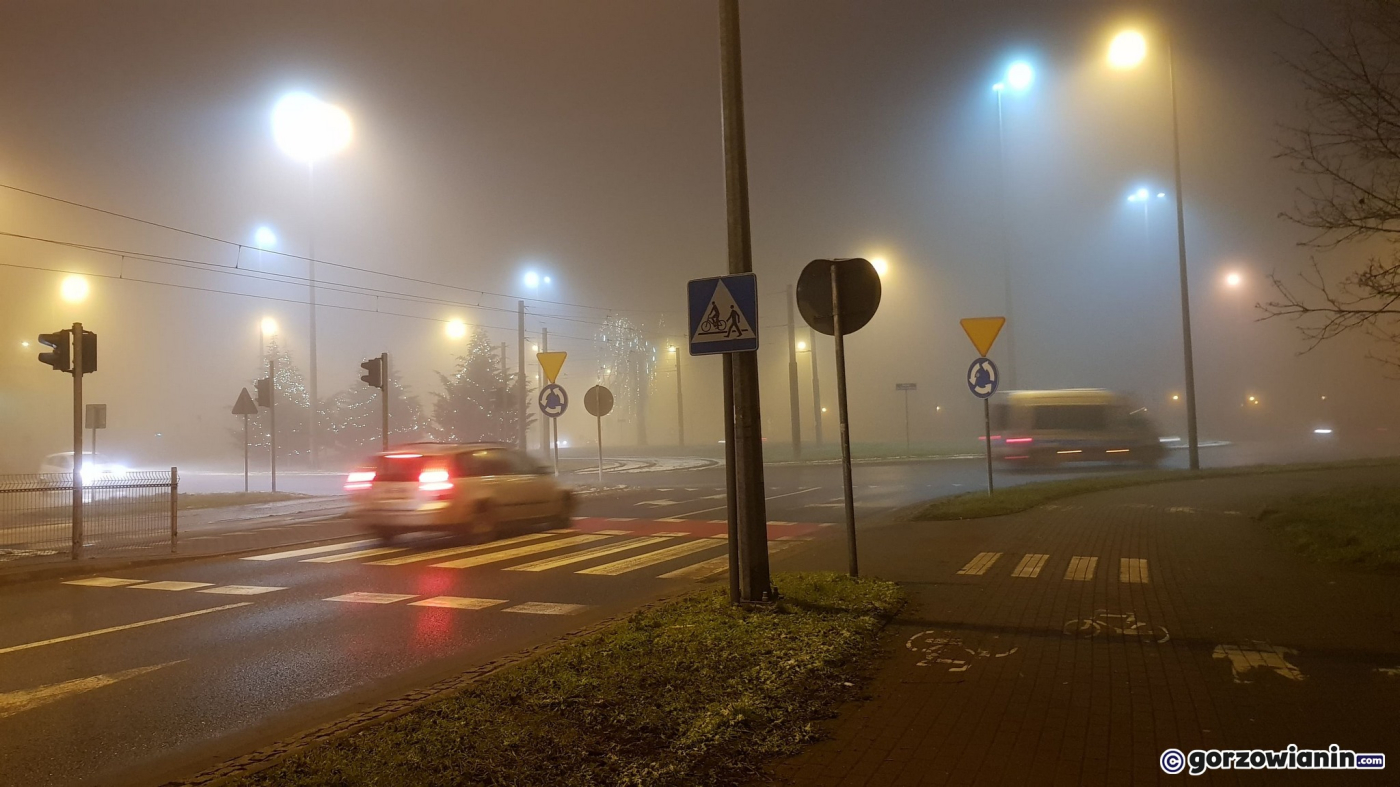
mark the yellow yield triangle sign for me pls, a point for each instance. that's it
(551, 363)
(983, 332)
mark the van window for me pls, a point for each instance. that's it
(487, 461)
(398, 468)
(1069, 417)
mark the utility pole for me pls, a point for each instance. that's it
(1193, 445)
(272, 413)
(311, 379)
(545, 423)
(755, 583)
(77, 344)
(520, 376)
(816, 385)
(680, 399)
(795, 405)
(384, 398)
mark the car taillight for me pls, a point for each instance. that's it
(434, 480)
(358, 480)
(1019, 439)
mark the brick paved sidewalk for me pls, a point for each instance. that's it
(1203, 631)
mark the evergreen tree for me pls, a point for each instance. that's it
(293, 407)
(478, 399)
(352, 421)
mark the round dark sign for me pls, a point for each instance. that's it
(859, 287)
(598, 401)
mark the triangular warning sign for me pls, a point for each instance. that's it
(551, 363)
(244, 405)
(983, 332)
(723, 321)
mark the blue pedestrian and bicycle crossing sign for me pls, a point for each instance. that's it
(723, 314)
(554, 400)
(982, 378)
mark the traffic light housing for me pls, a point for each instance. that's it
(264, 386)
(61, 358)
(374, 372)
(89, 352)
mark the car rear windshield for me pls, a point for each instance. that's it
(398, 468)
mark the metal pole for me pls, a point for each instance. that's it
(816, 387)
(600, 452)
(906, 421)
(845, 429)
(272, 414)
(545, 427)
(680, 399)
(987, 422)
(731, 500)
(520, 376)
(175, 508)
(384, 397)
(794, 404)
(315, 408)
(76, 342)
(755, 581)
(1193, 444)
(1004, 237)
(554, 427)
(245, 452)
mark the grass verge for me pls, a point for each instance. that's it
(1359, 526)
(1010, 500)
(695, 691)
(224, 499)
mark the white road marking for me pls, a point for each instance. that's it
(1132, 569)
(240, 590)
(1258, 655)
(979, 565)
(613, 532)
(458, 602)
(416, 557)
(771, 497)
(355, 555)
(103, 582)
(719, 496)
(1081, 568)
(676, 534)
(658, 503)
(371, 598)
(587, 554)
(544, 608)
(622, 519)
(171, 585)
(715, 565)
(312, 550)
(562, 530)
(151, 622)
(1030, 566)
(649, 559)
(15, 702)
(529, 549)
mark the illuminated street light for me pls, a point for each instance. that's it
(535, 348)
(1020, 75)
(308, 129)
(268, 326)
(74, 289)
(802, 347)
(880, 265)
(531, 279)
(1233, 279)
(455, 329)
(264, 238)
(1127, 50)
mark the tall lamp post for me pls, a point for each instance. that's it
(680, 396)
(1127, 51)
(308, 129)
(1144, 197)
(1019, 76)
(807, 347)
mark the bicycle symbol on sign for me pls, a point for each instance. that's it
(1125, 624)
(941, 647)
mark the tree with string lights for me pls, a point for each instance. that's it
(475, 403)
(629, 363)
(352, 420)
(293, 407)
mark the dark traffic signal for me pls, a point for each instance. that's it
(61, 358)
(89, 352)
(374, 372)
(264, 387)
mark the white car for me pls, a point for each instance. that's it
(472, 488)
(96, 467)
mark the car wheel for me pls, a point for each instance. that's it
(484, 521)
(382, 533)
(565, 517)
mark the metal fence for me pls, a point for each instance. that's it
(131, 512)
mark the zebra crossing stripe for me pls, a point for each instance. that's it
(312, 550)
(587, 554)
(979, 565)
(449, 552)
(1081, 568)
(458, 602)
(1030, 566)
(650, 558)
(355, 555)
(528, 549)
(1133, 570)
(715, 565)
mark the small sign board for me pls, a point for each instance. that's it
(244, 405)
(554, 400)
(982, 378)
(551, 363)
(95, 416)
(598, 401)
(723, 314)
(906, 386)
(983, 332)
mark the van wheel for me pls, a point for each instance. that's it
(384, 534)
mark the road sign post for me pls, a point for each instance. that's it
(982, 376)
(598, 401)
(245, 407)
(837, 297)
(78, 439)
(95, 416)
(906, 388)
(558, 400)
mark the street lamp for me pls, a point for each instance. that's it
(1019, 77)
(881, 266)
(1233, 279)
(264, 238)
(266, 327)
(309, 129)
(680, 398)
(455, 329)
(74, 289)
(1144, 196)
(810, 347)
(1128, 50)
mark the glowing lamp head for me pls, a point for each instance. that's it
(456, 329)
(264, 238)
(1020, 75)
(881, 265)
(308, 129)
(801, 346)
(1127, 50)
(1233, 279)
(531, 279)
(74, 289)
(268, 326)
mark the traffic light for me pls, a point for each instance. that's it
(60, 359)
(374, 372)
(89, 352)
(264, 387)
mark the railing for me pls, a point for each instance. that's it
(130, 512)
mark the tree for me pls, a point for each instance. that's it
(293, 407)
(476, 402)
(353, 419)
(629, 364)
(1349, 150)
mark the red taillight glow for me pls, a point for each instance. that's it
(402, 456)
(1019, 439)
(434, 480)
(358, 480)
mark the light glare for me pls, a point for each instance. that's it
(268, 326)
(74, 289)
(880, 265)
(1020, 75)
(532, 279)
(1233, 279)
(308, 129)
(456, 329)
(264, 238)
(1127, 50)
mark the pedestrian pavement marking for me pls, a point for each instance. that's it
(613, 532)
(371, 598)
(979, 565)
(15, 702)
(1081, 568)
(355, 555)
(675, 534)
(587, 554)
(312, 550)
(562, 530)
(103, 582)
(622, 519)
(415, 557)
(529, 549)
(112, 629)
(649, 559)
(240, 590)
(1030, 566)
(1132, 569)
(172, 585)
(458, 602)
(715, 565)
(545, 608)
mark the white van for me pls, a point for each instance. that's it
(1041, 428)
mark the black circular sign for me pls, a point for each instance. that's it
(598, 401)
(860, 294)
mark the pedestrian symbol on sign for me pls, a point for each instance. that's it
(723, 320)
